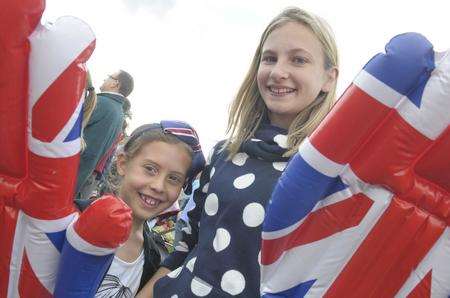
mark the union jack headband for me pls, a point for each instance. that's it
(185, 133)
(182, 131)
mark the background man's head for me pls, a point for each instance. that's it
(120, 82)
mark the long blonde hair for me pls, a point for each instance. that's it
(90, 101)
(248, 109)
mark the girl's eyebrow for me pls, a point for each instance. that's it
(149, 160)
(298, 50)
(267, 52)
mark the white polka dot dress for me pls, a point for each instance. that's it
(220, 255)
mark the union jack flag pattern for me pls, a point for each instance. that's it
(363, 210)
(87, 253)
(37, 184)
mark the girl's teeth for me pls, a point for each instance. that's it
(149, 201)
(281, 90)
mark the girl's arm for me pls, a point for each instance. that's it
(147, 290)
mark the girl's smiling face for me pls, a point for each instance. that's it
(153, 178)
(292, 72)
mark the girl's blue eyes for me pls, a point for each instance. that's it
(151, 169)
(299, 60)
(295, 60)
(269, 59)
(173, 179)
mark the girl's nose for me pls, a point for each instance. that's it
(279, 72)
(157, 183)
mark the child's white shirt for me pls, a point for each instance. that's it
(122, 278)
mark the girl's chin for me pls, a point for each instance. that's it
(144, 213)
(150, 213)
(143, 216)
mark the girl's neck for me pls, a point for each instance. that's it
(281, 121)
(132, 248)
(137, 226)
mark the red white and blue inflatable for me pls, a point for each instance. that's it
(363, 210)
(42, 88)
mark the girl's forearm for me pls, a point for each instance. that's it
(147, 290)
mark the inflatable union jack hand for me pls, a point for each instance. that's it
(90, 245)
(364, 208)
(19, 19)
(42, 92)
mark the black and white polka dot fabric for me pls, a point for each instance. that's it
(218, 255)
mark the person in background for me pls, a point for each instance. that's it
(104, 129)
(288, 90)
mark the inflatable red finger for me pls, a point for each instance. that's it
(38, 168)
(18, 22)
(19, 19)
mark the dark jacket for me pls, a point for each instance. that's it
(102, 130)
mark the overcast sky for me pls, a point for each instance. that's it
(188, 57)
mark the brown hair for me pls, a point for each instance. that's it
(126, 83)
(126, 86)
(248, 109)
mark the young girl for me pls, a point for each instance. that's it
(288, 90)
(156, 162)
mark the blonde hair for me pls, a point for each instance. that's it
(90, 101)
(248, 109)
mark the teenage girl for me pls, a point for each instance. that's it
(288, 90)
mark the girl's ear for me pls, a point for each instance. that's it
(330, 78)
(121, 164)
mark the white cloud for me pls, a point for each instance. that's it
(189, 57)
(157, 7)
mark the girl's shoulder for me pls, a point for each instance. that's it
(217, 151)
